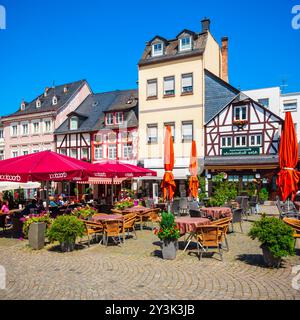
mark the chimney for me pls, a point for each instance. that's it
(205, 25)
(224, 51)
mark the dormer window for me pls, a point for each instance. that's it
(119, 117)
(54, 101)
(23, 105)
(185, 43)
(38, 103)
(240, 113)
(73, 123)
(110, 119)
(157, 49)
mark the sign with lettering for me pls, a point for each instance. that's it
(252, 151)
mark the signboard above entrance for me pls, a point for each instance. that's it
(253, 151)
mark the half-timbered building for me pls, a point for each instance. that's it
(241, 137)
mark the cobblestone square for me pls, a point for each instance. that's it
(137, 271)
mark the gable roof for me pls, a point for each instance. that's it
(95, 106)
(186, 31)
(46, 102)
(172, 50)
(218, 93)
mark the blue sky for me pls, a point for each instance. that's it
(102, 41)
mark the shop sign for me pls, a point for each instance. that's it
(254, 151)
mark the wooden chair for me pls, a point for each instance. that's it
(295, 224)
(92, 229)
(224, 222)
(154, 216)
(129, 224)
(113, 229)
(210, 236)
(116, 211)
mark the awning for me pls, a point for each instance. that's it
(102, 181)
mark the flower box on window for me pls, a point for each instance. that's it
(240, 123)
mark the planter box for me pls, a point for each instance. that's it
(36, 235)
(67, 246)
(169, 250)
(269, 259)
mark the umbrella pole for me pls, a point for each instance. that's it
(112, 191)
(47, 196)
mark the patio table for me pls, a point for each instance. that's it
(109, 217)
(135, 209)
(217, 212)
(189, 226)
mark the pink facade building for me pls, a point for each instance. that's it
(31, 128)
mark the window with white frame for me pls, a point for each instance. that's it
(240, 113)
(185, 43)
(38, 103)
(187, 83)
(226, 142)
(54, 100)
(47, 124)
(98, 152)
(1, 154)
(152, 133)
(290, 105)
(14, 130)
(127, 151)
(241, 141)
(63, 151)
(112, 152)
(169, 86)
(119, 117)
(172, 125)
(98, 138)
(109, 118)
(25, 130)
(1, 134)
(25, 152)
(233, 178)
(36, 127)
(35, 150)
(256, 140)
(15, 154)
(157, 49)
(84, 153)
(73, 153)
(73, 123)
(187, 131)
(152, 88)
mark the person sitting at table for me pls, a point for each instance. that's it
(30, 208)
(61, 201)
(52, 202)
(5, 207)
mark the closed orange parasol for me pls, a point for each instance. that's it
(288, 177)
(168, 184)
(194, 183)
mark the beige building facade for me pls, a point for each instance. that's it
(172, 92)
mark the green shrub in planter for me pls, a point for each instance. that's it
(263, 195)
(66, 229)
(276, 239)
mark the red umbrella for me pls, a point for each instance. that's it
(117, 169)
(194, 183)
(168, 184)
(44, 166)
(288, 177)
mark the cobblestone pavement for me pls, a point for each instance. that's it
(136, 271)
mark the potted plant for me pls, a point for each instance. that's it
(263, 195)
(276, 239)
(34, 228)
(168, 233)
(66, 229)
(85, 213)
